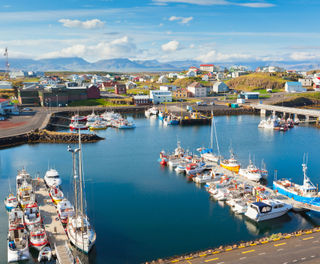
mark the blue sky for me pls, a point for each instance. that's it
(166, 30)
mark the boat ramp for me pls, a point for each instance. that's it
(56, 235)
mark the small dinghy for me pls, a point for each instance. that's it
(45, 254)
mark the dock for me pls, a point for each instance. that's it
(56, 235)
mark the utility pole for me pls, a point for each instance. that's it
(7, 75)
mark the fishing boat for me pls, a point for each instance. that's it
(252, 173)
(17, 242)
(109, 116)
(194, 168)
(52, 178)
(79, 230)
(98, 125)
(124, 124)
(45, 254)
(230, 164)
(93, 117)
(171, 120)
(23, 177)
(10, 202)
(163, 158)
(305, 193)
(267, 209)
(151, 111)
(161, 115)
(32, 215)
(65, 210)
(270, 123)
(203, 178)
(56, 194)
(77, 126)
(38, 238)
(77, 118)
(25, 194)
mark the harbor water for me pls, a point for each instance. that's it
(142, 211)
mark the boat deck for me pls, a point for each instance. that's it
(296, 205)
(55, 231)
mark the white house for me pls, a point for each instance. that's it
(158, 96)
(18, 74)
(191, 73)
(173, 75)
(163, 79)
(5, 85)
(220, 87)
(131, 85)
(270, 69)
(294, 87)
(168, 87)
(306, 81)
(196, 90)
(236, 74)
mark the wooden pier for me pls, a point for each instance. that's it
(55, 231)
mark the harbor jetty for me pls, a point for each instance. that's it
(56, 235)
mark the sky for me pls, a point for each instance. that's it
(165, 30)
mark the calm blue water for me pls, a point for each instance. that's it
(141, 211)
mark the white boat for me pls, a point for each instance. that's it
(65, 210)
(109, 116)
(252, 173)
(203, 178)
(52, 178)
(56, 194)
(77, 126)
(230, 164)
(32, 215)
(17, 243)
(123, 124)
(151, 111)
(266, 210)
(173, 163)
(10, 202)
(270, 123)
(45, 254)
(25, 194)
(240, 207)
(194, 168)
(98, 125)
(78, 228)
(221, 195)
(38, 238)
(93, 117)
(181, 167)
(23, 177)
(77, 118)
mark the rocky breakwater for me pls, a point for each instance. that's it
(45, 136)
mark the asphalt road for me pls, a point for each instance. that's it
(299, 249)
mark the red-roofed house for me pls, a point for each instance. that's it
(207, 67)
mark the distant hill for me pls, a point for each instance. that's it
(255, 81)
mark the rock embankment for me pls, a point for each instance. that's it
(45, 136)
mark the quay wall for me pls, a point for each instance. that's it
(239, 245)
(45, 136)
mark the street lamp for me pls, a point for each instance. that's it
(57, 96)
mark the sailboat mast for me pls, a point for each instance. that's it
(211, 135)
(75, 182)
(215, 132)
(80, 179)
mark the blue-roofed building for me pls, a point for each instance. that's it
(294, 87)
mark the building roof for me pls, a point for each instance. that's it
(195, 84)
(206, 65)
(137, 97)
(293, 83)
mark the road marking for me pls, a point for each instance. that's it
(307, 238)
(241, 246)
(312, 256)
(303, 258)
(263, 253)
(208, 260)
(316, 241)
(245, 252)
(294, 260)
(221, 262)
(242, 258)
(203, 255)
(281, 244)
(280, 249)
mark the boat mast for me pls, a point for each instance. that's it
(80, 179)
(215, 132)
(74, 169)
(211, 135)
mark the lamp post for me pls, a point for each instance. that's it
(57, 96)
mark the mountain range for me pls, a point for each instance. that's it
(127, 65)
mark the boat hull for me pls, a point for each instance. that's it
(18, 255)
(230, 168)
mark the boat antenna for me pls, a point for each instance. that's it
(275, 175)
(216, 136)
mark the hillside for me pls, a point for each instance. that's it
(257, 81)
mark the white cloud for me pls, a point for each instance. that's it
(299, 56)
(214, 56)
(88, 24)
(192, 46)
(182, 20)
(171, 46)
(217, 2)
(121, 47)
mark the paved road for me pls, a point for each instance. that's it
(299, 249)
(32, 122)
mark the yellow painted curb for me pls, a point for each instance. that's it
(228, 249)
(281, 244)
(307, 238)
(276, 239)
(216, 252)
(287, 236)
(176, 260)
(189, 258)
(203, 255)
(249, 251)
(241, 247)
(298, 234)
(208, 260)
(264, 242)
(308, 232)
(254, 244)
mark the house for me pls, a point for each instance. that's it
(130, 85)
(5, 85)
(107, 85)
(197, 90)
(173, 75)
(180, 93)
(191, 73)
(141, 100)
(306, 81)
(237, 74)
(219, 76)
(8, 108)
(18, 74)
(205, 78)
(294, 87)
(194, 69)
(93, 92)
(120, 89)
(249, 95)
(220, 87)
(158, 96)
(208, 67)
(270, 69)
(168, 87)
(163, 79)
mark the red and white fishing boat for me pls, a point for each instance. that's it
(77, 126)
(65, 210)
(38, 238)
(77, 118)
(56, 195)
(32, 215)
(163, 158)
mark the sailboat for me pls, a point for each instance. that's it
(207, 153)
(79, 230)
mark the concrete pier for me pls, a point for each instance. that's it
(55, 231)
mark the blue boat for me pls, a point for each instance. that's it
(306, 193)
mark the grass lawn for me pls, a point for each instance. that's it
(138, 91)
(102, 102)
